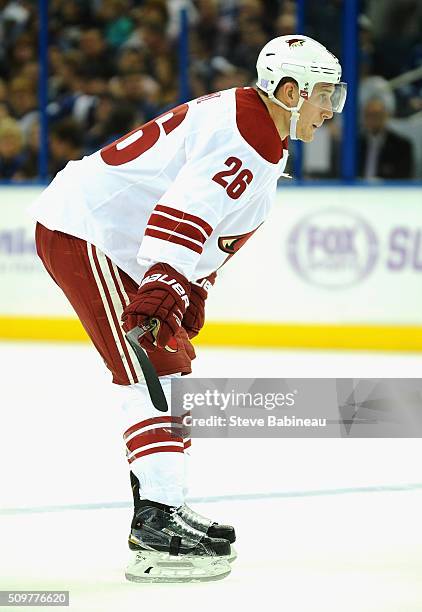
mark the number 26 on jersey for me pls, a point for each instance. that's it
(241, 178)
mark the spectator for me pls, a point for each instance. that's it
(376, 87)
(4, 110)
(30, 71)
(25, 50)
(286, 24)
(366, 46)
(12, 156)
(207, 24)
(118, 21)
(382, 153)
(252, 38)
(66, 68)
(140, 90)
(96, 53)
(29, 168)
(66, 142)
(65, 19)
(23, 102)
(166, 75)
(227, 76)
(3, 90)
(155, 11)
(131, 60)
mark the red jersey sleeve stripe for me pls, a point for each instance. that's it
(186, 216)
(172, 238)
(158, 221)
(179, 220)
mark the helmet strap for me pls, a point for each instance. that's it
(294, 111)
(294, 119)
(293, 124)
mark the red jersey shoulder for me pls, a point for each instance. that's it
(256, 126)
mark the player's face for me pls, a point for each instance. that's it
(315, 111)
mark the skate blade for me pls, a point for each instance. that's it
(152, 566)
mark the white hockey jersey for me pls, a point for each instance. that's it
(188, 188)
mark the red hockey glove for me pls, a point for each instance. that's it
(194, 318)
(164, 295)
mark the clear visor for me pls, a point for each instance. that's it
(329, 96)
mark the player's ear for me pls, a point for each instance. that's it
(291, 91)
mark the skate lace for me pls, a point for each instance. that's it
(177, 525)
(194, 518)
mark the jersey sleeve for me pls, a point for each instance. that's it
(217, 179)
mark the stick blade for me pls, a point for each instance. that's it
(154, 386)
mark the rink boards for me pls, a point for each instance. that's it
(333, 267)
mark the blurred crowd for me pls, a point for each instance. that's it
(389, 140)
(113, 64)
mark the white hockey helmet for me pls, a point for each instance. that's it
(307, 62)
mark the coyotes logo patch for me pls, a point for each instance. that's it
(295, 42)
(231, 244)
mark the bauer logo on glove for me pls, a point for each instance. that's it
(163, 295)
(163, 278)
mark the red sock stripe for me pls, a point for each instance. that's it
(152, 421)
(176, 239)
(157, 449)
(187, 216)
(187, 444)
(160, 434)
(177, 226)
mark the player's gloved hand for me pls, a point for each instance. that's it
(164, 295)
(194, 318)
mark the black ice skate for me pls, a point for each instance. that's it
(167, 549)
(192, 518)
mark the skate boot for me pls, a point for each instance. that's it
(167, 549)
(192, 518)
(210, 528)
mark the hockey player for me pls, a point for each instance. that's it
(137, 231)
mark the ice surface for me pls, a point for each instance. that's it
(303, 545)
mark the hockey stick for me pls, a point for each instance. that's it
(154, 386)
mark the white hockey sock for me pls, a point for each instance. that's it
(154, 455)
